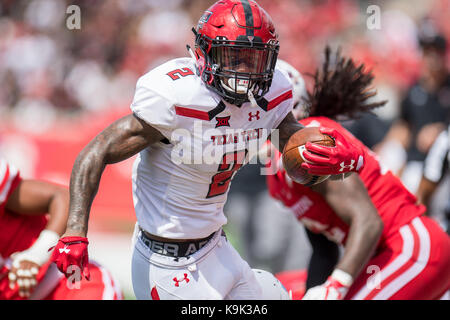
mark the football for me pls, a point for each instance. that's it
(293, 155)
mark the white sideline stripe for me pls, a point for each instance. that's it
(111, 285)
(397, 263)
(108, 291)
(415, 269)
(117, 287)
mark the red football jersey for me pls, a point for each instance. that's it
(17, 232)
(395, 204)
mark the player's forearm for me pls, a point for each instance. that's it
(286, 129)
(84, 182)
(425, 191)
(58, 210)
(350, 200)
(362, 240)
(121, 140)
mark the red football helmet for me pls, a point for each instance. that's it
(236, 48)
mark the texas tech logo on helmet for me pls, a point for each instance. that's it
(205, 17)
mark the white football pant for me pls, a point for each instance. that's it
(216, 271)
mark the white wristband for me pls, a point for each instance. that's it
(38, 252)
(343, 277)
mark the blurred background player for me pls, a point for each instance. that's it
(425, 109)
(435, 172)
(33, 215)
(392, 251)
(324, 253)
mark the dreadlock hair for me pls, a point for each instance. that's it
(341, 89)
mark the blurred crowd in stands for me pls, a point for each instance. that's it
(48, 72)
(43, 63)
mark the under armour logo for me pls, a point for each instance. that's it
(177, 282)
(65, 250)
(350, 166)
(251, 116)
(222, 121)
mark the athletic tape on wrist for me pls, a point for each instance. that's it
(343, 277)
(38, 252)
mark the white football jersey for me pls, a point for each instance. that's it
(180, 185)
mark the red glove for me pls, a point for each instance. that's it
(344, 157)
(71, 251)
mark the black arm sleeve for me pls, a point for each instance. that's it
(325, 255)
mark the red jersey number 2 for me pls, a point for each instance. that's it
(183, 72)
(231, 162)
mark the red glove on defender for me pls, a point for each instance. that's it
(343, 158)
(71, 251)
(335, 288)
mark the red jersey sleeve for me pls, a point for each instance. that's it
(9, 180)
(17, 232)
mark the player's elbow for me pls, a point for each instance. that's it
(378, 225)
(373, 226)
(61, 194)
(59, 197)
(89, 165)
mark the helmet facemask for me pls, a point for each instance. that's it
(235, 69)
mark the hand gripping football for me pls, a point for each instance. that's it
(293, 155)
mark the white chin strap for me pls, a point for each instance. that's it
(240, 86)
